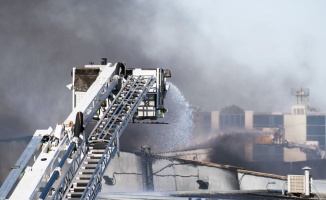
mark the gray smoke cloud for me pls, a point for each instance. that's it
(247, 53)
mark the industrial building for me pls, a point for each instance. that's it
(298, 135)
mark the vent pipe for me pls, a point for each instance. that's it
(307, 180)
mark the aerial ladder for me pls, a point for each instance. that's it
(313, 150)
(69, 162)
(276, 137)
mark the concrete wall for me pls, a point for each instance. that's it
(319, 186)
(168, 175)
(249, 181)
(176, 175)
(126, 173)
(173, 175)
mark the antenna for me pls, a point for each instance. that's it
(302, 95)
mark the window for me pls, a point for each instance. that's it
(315, 120)
(232, 117)
(232, 121)
(268, 121)
(316, 130)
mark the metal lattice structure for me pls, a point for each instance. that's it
(83, 177)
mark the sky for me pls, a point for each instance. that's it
(245, 52)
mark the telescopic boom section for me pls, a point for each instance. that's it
(109, 96)
(78, 129)
(69, 162)
(103, 141)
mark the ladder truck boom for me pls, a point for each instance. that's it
(69, 161)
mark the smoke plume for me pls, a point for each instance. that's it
(247, 53)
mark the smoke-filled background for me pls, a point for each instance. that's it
(247, 53)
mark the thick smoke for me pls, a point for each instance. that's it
(248, 53)
(228, 148)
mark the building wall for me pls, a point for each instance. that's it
(295, 131)
(299, 126)
(215, 119)
(249, 121)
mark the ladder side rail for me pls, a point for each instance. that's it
(101, 166)
(127, 97)
(117, 108)
(122, 105)
(104, 161)
(107, 110)
(112, 118)
(74, 170)
(129, 116)
(97, 187)
(97, 101)
(71, 172)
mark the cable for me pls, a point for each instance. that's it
(114, 180)
(175, 175)
(127, 173)
(240, 179)
(283, 193)
(169, 165)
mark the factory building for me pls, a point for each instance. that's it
(295, 136)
